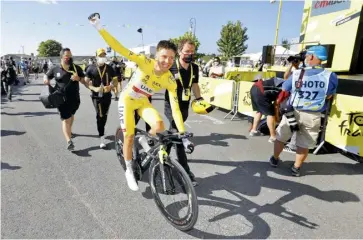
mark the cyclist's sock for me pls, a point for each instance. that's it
(128, 164)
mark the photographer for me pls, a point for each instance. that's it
(309, 87)
(67, 76)
(295, 62)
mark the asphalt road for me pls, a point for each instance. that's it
(48, 192)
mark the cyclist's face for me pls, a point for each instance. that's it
(165, 58)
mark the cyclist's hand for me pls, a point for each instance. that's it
(94, 19)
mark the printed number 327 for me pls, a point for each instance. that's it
(308, 94)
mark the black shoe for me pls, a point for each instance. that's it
(192, 178)
(116, 99)
(70, 145)
(73, 135)
(295, 171)
(274, 162)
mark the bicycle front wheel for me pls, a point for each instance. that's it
(174, 182)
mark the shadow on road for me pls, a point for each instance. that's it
(8, 166)
(215, 139)
(30, 114)
(27, 100)
(247, 179)
(5, 133)
(85, 152)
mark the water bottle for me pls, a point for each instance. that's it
(144, 143)
(100, 93)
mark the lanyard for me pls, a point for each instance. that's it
(74, 67)
(103, 73)
(180, 77)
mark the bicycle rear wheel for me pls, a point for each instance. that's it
(174, 174)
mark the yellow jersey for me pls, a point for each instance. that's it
(144, 82)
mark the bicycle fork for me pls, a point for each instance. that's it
(165, 172)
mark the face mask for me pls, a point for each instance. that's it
(101, 60)
(68, 61)
(189, 58)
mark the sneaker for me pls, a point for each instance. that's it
(274, 162)
(271, 140)
(131, 182)
(188, 146)
(72, 135)
(102, 144)
(116, 99)
(295, 171)
(289, 149)
(192, 178)
(70, 145)
(254, 133)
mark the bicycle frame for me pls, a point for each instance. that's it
(161, 154)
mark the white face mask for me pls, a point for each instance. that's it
(101, 60)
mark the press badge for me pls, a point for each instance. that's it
(186, 95)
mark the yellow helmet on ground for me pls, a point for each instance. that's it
(200, 106)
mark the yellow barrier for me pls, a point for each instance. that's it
(345, 124)
(244, 99)
(248, 76)
(218, 92)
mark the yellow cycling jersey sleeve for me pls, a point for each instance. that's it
(177, 115)
(118, 47)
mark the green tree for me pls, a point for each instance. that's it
(187, 35)
(232, 41)
(286, 44)
(49, 48)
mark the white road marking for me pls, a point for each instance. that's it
(214, 120)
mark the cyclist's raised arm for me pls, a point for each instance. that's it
(177, 115)
(116, 45)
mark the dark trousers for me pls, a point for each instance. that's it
(102, 105)
(179, 148)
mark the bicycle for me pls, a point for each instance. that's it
(162, 167)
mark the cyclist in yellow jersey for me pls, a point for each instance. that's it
(150, 77)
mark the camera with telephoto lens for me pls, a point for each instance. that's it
(300, 57)
(288, 111)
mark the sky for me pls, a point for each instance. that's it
(27, 23)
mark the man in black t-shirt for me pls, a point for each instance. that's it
(186, 74)
(67, 77)
(8, 77)
(100, 77)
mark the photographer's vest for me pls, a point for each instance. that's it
(312, 93)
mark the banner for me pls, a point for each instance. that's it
(324, 21)
(244, 99)
(345, 124)
(218, 92)
(248, 76)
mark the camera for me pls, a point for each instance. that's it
(288, 111)
(300, 57)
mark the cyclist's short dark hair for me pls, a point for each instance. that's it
(63, 51)
(185, 41)
(165, 44)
